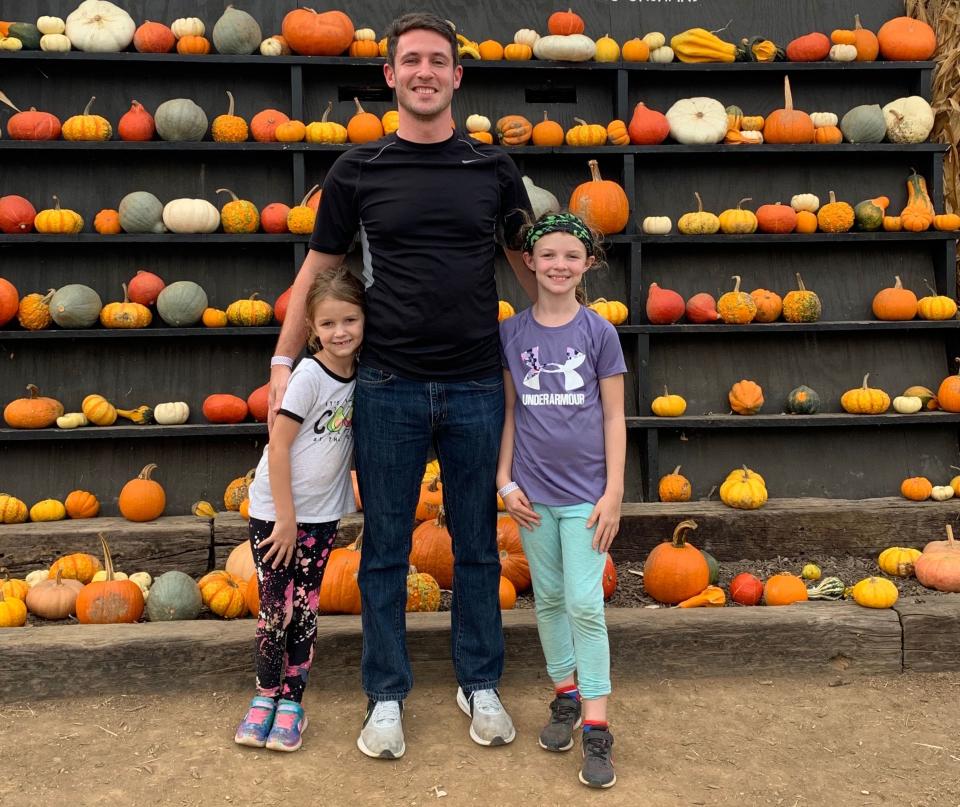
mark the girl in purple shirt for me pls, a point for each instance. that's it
(560, 475)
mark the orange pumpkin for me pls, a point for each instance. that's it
(948, 395)
(251, 595)
(142, 498)
(81, 504)
(904, 39)
(431, 499)
(547, 133)
(675, 570)
(432, 550)
(601, 203)
(110, 601)
(916, 488)
(507, 594)
(806, 222)
(513, 563)
(339, 592)
(746, 397)
(193, 45)
(224, 408)
(33, 412)
(674, 487)
(107, 222)
(76, 566)
(776, 218)
(154, 37)
(895, 303)
(564, 23)
(222, 593)
(865, 41)
(263, 125)
(310, 33)
(788, 125)
(784, 589)
(363, 127)
(769, 305)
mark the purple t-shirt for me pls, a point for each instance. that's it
(558, 453)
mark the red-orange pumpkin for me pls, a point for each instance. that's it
(280, 305)
(273, 219)
(154, 37)
(776, 218)
(136, 124)
(311, 34)
(263, 125)
(144, 287)
(258, 403)
(9, 301)
(224, 408)
(564, 23)
(16, 214)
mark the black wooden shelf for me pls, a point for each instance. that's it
(795, 238)
(236, 239)
(129, 57)
(782, 421)
(136, 432)
(758, 328)
(158, 332)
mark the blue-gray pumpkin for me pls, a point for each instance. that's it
(75, 306)
(141, 212)
(173, 595)
(864, 124)
(181, 303)
(236, 33)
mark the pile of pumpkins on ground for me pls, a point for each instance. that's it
(100, 26)
(677, 573)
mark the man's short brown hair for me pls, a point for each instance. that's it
(423, 21)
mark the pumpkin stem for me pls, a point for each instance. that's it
(747, 199)
(308, 194)
(736, 286)
(865, 381)
(8, 102)
(441, 520)
(56, 202)
(360, 109)
(545, 118)
(856, 22)
(86, 109)
(787, 95)
(34, 390)
(227, 190)
(581, 121)
(679, 532)
(594, 170)
(699, 201)
(933, 291)
(107, 559)
(48, 296)
(667, 393)
(327, 112)
(357, 544)
(59, 576)
(898, 284)
(722, 29)
(147, 470)
(833, 198)
(126, 297)
(675, 471)
(800, 283)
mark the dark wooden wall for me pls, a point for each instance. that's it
(864, 462)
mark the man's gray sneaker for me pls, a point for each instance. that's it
(557, 735)
(490, 724)
(597, 768)
(382, 734)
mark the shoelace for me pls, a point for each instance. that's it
(385, 713)
(595, 746)
(486, 702)
(564, 710)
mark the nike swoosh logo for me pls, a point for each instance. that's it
(475, 160)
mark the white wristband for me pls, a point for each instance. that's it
(507, 489)
(281, 361)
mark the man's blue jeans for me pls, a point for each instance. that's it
(395, 423)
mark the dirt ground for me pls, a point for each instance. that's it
(731, 741)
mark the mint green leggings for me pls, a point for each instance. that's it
(567, 576)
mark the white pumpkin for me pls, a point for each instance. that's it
(54, 43)
(751, 137)
(171, 414)
(98, 26)
(541, 200)
(271, 46)
(365, 35)
(191, 216)
(142, 579)
(696, 121)
(51, 25)
(843, 53)
(941, 493)
(909, 120)
(805, 201)
(655, 40)
(661, 55)
(656, 225)
(570, 48)
(10, 43)
(101, 575)
(478, 123)
(526, 36)
(188, 26)
(37, 576)
(824, 119)
(907, 404)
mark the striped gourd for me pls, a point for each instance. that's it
(830, 588)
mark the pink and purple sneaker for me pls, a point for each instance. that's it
(288, 724)
(255, 727)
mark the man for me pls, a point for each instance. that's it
(426, 202)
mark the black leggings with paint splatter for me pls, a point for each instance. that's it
(289, 600)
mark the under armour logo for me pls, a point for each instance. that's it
(571, 378)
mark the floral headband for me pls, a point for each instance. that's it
(559, 223)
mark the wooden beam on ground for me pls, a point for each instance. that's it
(211, 653)
(931, 634)
(174, 542)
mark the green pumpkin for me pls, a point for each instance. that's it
(868, 216)
(181, 303)
(180, 119)
(864, 124)
(803, 401)
(713, 567)
(141, 212)
(27, 33)
(830, 588)
(173, 595)
(236, 33)
(75, 306)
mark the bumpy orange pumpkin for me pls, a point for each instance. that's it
(222, 593)
(674, 487)
(76, 566)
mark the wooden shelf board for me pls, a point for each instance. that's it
(194, 239)
(134, 432)
(794, 327)
(160, 331)
(794, 238)
(782, 421)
